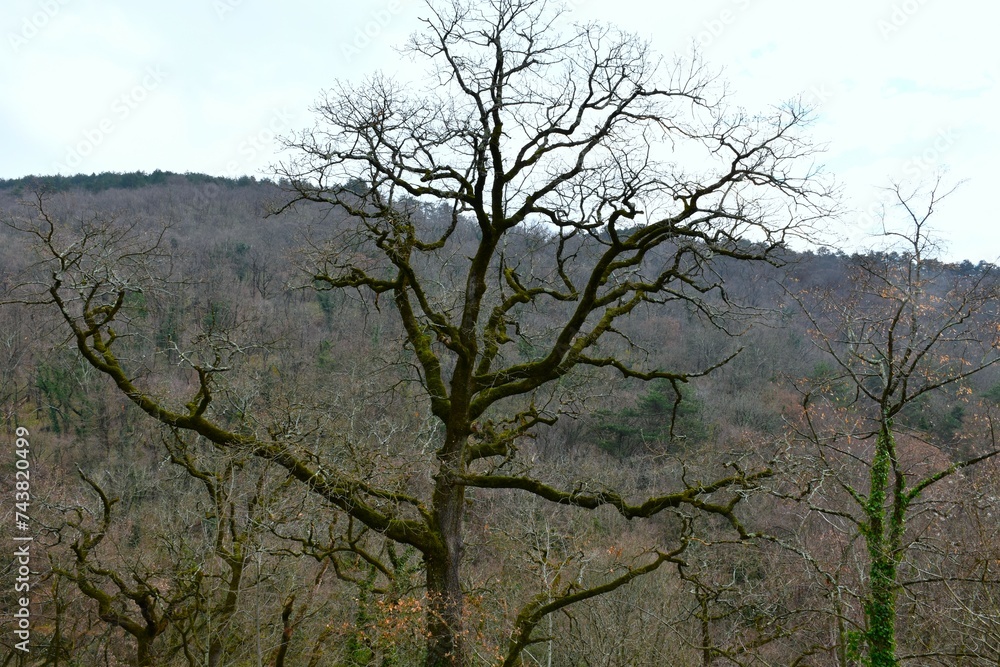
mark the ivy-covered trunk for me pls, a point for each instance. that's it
(883, 533)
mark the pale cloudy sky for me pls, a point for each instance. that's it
(902, 89)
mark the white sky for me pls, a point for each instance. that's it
(902, 89)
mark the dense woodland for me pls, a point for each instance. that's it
(225, 555)
(477, 379)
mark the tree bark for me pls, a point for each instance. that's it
(445, 631)
(144, 652)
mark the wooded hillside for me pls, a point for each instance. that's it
(159, 541)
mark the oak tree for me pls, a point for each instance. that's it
(629, 176)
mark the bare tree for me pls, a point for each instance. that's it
(907, 330)
(572, 138)
(137, 601)
(562, 131)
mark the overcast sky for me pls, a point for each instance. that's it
(902, 90)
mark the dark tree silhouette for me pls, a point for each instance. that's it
(578, 134)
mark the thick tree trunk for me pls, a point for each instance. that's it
(445, 646)
(445, 624)
(144, 652)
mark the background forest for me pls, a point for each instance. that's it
(213, 559)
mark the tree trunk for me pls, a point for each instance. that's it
(216, 649)
(880, 611)
(144, 652)
(880, 607)
(445, 631)
(842, 641)
(706, 632)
